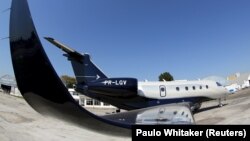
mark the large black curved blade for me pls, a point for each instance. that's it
(38, 82)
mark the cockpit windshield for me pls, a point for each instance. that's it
(218, 84)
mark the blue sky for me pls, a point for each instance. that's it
(142, 38)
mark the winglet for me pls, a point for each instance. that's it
(32, 68)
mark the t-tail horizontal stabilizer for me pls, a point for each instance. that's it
(65, 48)
(85, 70)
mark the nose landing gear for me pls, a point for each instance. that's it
(220, 104)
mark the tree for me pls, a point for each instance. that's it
(68, 81)
(166, 76)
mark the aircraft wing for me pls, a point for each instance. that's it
(158, 115)
(43, 90)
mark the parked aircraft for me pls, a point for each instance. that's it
(129, 94)
(148, 102)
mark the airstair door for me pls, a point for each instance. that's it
(163, 92)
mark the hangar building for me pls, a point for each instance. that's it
(8, 85)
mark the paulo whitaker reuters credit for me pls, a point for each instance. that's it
(189, 132)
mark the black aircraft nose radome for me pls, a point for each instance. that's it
(39, 83)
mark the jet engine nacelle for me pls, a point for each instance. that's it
(115, 87)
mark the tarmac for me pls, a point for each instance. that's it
(19, 122)
(236, 110)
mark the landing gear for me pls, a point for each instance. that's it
(197, 107)
(220, 103)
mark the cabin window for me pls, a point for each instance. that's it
(175, 112)
(162, 90)
(218, 84)
(193, 87)
(177, 89)
(207, 86)
(186, 88)
(200, 87)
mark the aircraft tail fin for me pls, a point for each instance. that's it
(85, 70)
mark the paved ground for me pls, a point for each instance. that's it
(19, 122)
(235, 111)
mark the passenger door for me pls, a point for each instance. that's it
(163, 92)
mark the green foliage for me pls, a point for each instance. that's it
(68, 81)
(166, 76)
